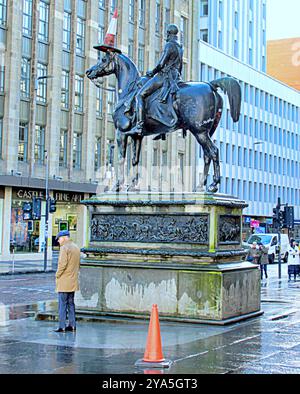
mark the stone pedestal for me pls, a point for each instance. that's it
(180, 251)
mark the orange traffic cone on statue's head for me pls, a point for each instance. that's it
(153, 355)
(110, 36)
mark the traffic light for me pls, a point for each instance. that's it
(52, 205)
(288, 215)
(27, 210)
(281, 219)
(36, 208)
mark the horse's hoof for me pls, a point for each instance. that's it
(212, 189)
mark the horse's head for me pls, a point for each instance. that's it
(105, 66)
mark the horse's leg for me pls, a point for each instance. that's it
(210, 150)
(137, 144)
(213, 153)
(122, 148)
(201, 137)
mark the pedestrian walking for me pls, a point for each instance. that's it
(67, 280)
(253, 253)
(263, 259)
(293, 260)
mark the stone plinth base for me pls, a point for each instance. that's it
(183, 254)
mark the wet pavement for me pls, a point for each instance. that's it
(268, 344)
(14, 267)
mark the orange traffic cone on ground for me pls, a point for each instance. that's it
(153, 355)
(153, 351)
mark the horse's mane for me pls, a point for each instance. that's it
(130, 65)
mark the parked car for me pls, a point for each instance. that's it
(271, 241)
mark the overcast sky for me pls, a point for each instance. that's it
(283, 19)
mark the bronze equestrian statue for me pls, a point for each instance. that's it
(160, 103)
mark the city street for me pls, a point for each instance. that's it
(268, 344)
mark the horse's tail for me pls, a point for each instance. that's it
(232, 88)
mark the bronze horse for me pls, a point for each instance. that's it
(198, 107)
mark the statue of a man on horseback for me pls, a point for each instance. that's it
(165, 76)
(161, 103)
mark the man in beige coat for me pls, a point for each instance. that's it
(67, 280)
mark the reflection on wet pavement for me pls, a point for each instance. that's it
(269, 343)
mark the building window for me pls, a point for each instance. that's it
(39, 147)
(204, 8)
(142, 9)
(204, 35)
(78, 93)
(80, 36)
(113, 6)
(97, 153)
(183, 32)
(77, 149)
(167, 17)
(99, 102)
(220, 40)
(221, 12)
(131, 11)
(111, 99)
(67, 31)
(155, 163)
(27, 17)
(41, 95)
(23, 142)
(130, 49)
(3, 12)
(63, 144)
(100, 33)
(65, 78)
(44, 21)
(164, 164)
(181, 167)
(141, 58)
(250, 56)
(157, 17)
(1, 136)
(2, 78)
(102, 4)
(236, 49)
(25, 78)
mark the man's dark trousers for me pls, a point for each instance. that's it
(66, 303)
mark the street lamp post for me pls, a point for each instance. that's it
(47, 211)
(36, 86)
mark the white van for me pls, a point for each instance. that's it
(271, 241)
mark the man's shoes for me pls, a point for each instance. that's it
(70, 328)
(60, 330)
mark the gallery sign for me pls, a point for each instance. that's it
(59, 196)
(69, 197)
(28, 194)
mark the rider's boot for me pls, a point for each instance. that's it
(139, 127)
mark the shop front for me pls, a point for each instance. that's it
(26, 236)
(68, 216)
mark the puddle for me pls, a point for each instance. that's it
(22, 311)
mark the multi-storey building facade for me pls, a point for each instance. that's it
(259, 154)
(55, 124)
(237, 28)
